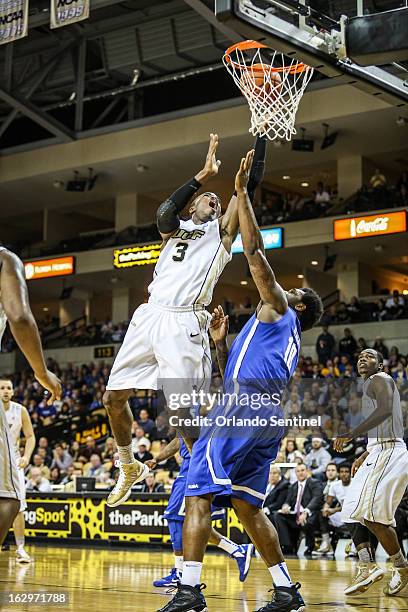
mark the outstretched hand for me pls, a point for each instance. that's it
(340, 442)
(219, 325)
(212, 164)
(242, 177)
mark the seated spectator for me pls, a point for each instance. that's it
(399, 373)
(330, 370)
(139, 438)
(142, 454)
(276, 491)
(168, 465)
(62, 459)
(70, 481)
(330, 516)
(150, 485)
(90, 448)
(394, 357)
(395, 309)
(109, 450)
(162, 427)
(96, 469)
(38, 482)
(342, 313)
(332, 475)
(55, 477)
(38, 462)
(146, 423)
(381, 347)
(43, 443)
(355, 310)
(317, 459)
(300, 512)
(396, 298)
(46, 413)
(291, 451)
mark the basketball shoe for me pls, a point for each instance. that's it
(366, 575)
(243, 556)
(398, 581)
(129, 474)
(285, 599)
(168, 581)
(22, 556)
(187, 599)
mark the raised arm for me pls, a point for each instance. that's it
(168, 220)
(219, 333)
(229, 223)
(14, 296)
(270, 291)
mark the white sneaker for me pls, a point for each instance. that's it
(366, 575)
(325, 549)
(22, 556)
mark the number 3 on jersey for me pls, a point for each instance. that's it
(181, 248)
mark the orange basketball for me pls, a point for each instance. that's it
(265, 81)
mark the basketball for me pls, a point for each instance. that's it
(264, 83)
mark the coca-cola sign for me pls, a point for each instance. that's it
(371, 225)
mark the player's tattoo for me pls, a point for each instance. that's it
(222, 356)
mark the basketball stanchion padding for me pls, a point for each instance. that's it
(273, 85)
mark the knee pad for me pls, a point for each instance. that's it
(176, 534)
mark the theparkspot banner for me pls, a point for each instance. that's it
(65, 12)
(13, 20)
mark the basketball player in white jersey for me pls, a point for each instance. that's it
(19, 421)
(15, 307)
(381, 475)
(166, 345)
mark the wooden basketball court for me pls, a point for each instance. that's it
(102, 580)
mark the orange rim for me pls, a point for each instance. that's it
(260, 68)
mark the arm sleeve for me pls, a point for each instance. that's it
(258, 166)
(168, 212)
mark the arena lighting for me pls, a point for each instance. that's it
(80, 184)
(300, 276)
(244, 282)
(304, 184)
(286, 177)
(314, 262)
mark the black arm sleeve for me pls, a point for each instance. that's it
(167, 213)
(258, 166)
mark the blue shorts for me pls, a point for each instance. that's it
(175, 510)
(233, 461)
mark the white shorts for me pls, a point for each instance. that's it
(10, 483)
(22, 486)
(164, 348)
(378, 487)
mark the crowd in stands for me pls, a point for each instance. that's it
(275, 207)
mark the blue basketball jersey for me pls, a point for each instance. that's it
(264, 356)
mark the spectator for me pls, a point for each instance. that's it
(322, 197)
(317, 459)
(46, 413)
(145, 422)
(109, 450)
(38, 462)
(342, 314)
(168, 465)
(330, 370)
(96, 469)
(391, 300)
(348, 344)
(395, 309)
(292, 451)
(378, 180)
(139, 438)
(325, 345)
(38, 482)
(90, 448)
(62, 458)
(300, 512)
(142, 454)
(276, 491)
(43, 443)
(330, 516)
(355, 310)
(150, 485)
(55, 477)
(331, 476)
(162, 427)
(380, 347)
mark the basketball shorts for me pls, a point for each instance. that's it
(164, 348)
(22, 485)
(11, 484)
(176, 507)
(231, 460)
(378, 486)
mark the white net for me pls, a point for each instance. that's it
(272, 84)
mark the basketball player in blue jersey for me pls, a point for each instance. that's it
(175, 513)
(166, 345)
(230, 463)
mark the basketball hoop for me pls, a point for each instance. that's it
(272, 84)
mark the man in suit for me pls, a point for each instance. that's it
(300, 512)
(276, 491)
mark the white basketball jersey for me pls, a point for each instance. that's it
(3, 318)
(189, 266)
(15, 422)
(393, 427)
